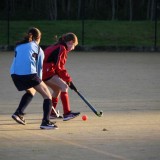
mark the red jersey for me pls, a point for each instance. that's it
(54, 62)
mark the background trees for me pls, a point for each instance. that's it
(72, 9)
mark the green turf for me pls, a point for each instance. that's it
(105, 33)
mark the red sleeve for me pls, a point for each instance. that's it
(60, 66)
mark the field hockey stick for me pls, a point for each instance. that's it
(56, 112)
(99, 114)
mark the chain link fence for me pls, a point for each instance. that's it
(92, 34)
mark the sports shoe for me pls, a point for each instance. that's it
(48, 125)
(19, 118)
(70, 115)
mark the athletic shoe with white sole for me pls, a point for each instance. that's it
(70, 115)
(48, 125)
(19, 118)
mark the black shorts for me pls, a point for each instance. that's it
(24, 82)
(47, 79)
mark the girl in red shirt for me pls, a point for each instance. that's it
(55, 74)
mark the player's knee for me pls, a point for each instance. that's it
(31, 92)
(64, 88)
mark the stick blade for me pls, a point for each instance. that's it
(100, 114)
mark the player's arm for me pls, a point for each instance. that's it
(60, 67)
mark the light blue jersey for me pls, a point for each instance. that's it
(24, 62)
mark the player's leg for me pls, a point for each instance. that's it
(25, 101)
(47, 105)
(64, 97)
(55, 97)
(68, 114)
(56, 91)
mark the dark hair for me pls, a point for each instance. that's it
(68, 37)
(32, 34)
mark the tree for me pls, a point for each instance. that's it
(152, 10)
(130, 10)
(113, 9)
(72, 9)
(52, 9)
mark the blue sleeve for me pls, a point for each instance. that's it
(40, 63)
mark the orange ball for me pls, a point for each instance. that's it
(84, 117)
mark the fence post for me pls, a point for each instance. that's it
(8, 22)
(83, 17)
(155, 29)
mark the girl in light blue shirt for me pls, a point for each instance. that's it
(29, 59)
(26, 73)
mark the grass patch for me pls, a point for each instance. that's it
(96, 33)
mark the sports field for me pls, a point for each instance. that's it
(126, 86)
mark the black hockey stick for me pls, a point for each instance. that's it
(99, 114)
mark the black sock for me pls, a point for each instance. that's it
(25, 100)
(47, 105)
